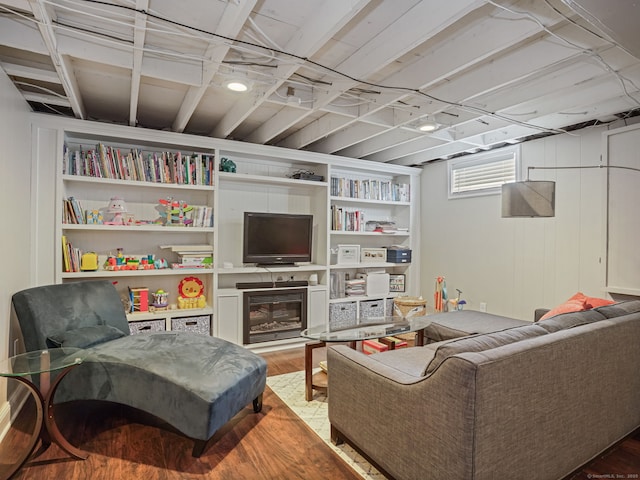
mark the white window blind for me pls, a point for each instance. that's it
(483, 174)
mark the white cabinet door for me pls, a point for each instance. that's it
(317, 305)
(229, 318)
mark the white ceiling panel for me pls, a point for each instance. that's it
(347, 77)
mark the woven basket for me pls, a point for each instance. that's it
(409, 307)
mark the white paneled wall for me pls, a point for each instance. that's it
(15, 197)
(515, 265)
(16, 231)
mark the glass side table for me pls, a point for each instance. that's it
(366, 329)
(40, 364)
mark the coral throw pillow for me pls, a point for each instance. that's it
(576, 303)
(594, 302)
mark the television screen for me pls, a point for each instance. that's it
(277, 238)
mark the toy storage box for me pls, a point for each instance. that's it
(200, 325)
(342, 315)
(147, 326)
(371, 309)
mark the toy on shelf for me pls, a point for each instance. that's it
(89, 262)
(94, 217)
(160, 263)
(139, 299)
(172, 212)
(227, 165)
(160, 300)
(121, 262)
(115, 212)
(190, 293)
(147, 263)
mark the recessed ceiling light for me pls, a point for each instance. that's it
(237, 86)
(428, 127)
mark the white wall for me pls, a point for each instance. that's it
(515, 265)
(15, 198)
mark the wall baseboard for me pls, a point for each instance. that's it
(10, 408)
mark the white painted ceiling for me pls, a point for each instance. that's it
(348, 77)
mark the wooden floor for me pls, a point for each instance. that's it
(273, 444)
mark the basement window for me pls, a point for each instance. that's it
(483, 173)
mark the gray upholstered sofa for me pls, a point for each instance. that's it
(195, 383)
(535, 401)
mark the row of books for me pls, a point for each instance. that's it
(157, 167)
(370, 189)
(202, 216)
(347, 220)
(71, 256)
(72, 211)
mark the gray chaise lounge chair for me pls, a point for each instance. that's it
(195, 383)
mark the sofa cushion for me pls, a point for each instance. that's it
(479, 343)
(196, 383)
(445, 326)
(407, 360)
(620, 308)
(85, 337)
(569, 320)
(594, 302)
(576, 303)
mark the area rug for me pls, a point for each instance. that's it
(290, 388)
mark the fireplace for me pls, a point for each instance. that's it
(274, 314)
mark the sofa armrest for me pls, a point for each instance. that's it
(538, 313)
(390, 415)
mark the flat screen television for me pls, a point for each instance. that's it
(276, 238)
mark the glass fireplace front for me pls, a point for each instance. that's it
(274, 314)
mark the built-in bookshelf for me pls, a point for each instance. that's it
(123, 199)
(174, 193)
(371, 211)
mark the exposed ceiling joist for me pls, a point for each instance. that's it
(24, 71)
(354, 78)
(309, 38)
(233, 19)
(136, 68)
(413, 28)
(61, 63)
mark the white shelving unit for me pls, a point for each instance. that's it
(378, 198)
(263, 182)
(142, 199)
